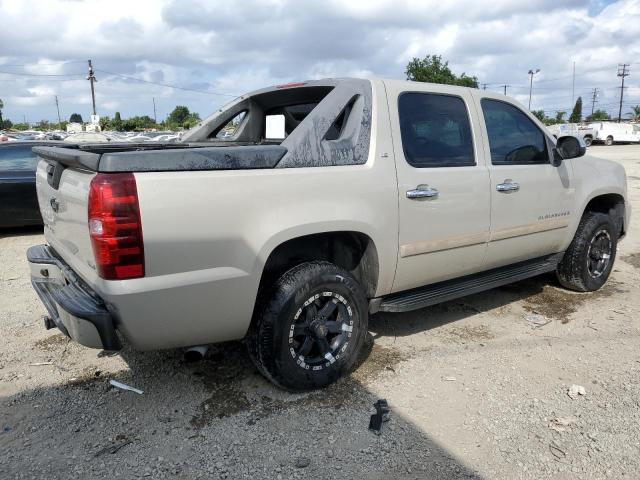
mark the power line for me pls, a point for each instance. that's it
(61, 62)
(43, 74)
(165, 84)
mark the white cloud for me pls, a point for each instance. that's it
(232, 47)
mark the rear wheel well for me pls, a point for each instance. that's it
(352, 251)
(611, 204)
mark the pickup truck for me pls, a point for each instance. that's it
(294, 212)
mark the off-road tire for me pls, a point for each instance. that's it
(269, 342)
(573, 272)
(588, 141)
(608, 141)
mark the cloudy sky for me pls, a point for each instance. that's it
(214, 50)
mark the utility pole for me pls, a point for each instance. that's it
(622, 72)
(155, 120)
(594, 99)
(531, 74)
(484, 86)
(505, 88)
(58, 109)
(92, 80)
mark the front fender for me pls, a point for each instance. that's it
(595, 177)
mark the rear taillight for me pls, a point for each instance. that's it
(115, 226)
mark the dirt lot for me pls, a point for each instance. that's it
(478, 389)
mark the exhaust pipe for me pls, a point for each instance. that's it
(195, 354)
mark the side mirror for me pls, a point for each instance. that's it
(570, 147)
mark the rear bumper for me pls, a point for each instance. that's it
(75, 309)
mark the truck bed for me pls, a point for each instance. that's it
(112, 158)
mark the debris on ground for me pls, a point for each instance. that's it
(123, 386)
(449, 379)
(537, 320)
(556, 451)
(40, 364)
(111, 449)
(381, 416)
(560, 424)
(575, 391)
(302, 462)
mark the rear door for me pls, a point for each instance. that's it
(531, 200)
(64, 208)
(443, 183)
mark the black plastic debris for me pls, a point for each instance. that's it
(380, 417)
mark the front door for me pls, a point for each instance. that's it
(531, 200)
(443, 184)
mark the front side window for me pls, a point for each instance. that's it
(435, 130)
(513, 137)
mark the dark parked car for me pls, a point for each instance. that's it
(18, 200)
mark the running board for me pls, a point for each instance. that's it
(461, 287)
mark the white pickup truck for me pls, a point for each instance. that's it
(294, 212)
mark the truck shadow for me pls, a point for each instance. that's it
(217, 418)
(539, 295)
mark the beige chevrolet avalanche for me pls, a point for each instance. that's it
(293, 213)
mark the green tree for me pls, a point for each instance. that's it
(138, 123)
(1, 107)
(75, 118)
(179, 115)
(598, 116)
(576, 113)
(434, 70)
(43, 125)
(21, 126)
(117, 122)
(106, 123)
(635, 113)
(6, 124)
(539, 114)
(192, 120)
(560, 116)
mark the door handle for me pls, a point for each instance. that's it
(508, 186)
(422, 192)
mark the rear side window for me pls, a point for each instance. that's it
(435, 130)
(513, 137)
(230, 128)
(18, 158)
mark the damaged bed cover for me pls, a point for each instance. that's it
(183, 157)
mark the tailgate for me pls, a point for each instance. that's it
(63, 192)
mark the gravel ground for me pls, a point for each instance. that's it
(478, 389)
